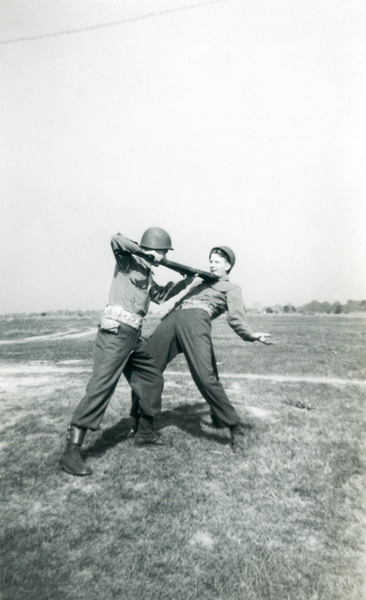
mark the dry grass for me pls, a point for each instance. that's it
(284, 520)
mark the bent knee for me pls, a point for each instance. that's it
(210, 380)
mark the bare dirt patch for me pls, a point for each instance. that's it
(286, 378)
(61, 335)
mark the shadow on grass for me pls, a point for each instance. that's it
(187, 418)
(109, 438)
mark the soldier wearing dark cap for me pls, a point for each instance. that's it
(187, 329)
(119, 347)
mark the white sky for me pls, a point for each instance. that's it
(239, 122)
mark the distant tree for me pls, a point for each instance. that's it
(337, 308)
(351, 306)
(318, 307)
(355, 306)
(326, 307)
(289, 308)
(269, 310)
(311, 306)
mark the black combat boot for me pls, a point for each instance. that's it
(134, 429)
(237, 438)
(71, 460)
(146, 435)
(215, 423)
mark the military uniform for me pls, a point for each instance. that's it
(120, 348)
(187, 329)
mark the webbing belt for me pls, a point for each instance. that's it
(122, 315)
(202, 305)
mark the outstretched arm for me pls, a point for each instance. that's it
(237, 319)
(160, 294)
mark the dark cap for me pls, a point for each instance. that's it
(230, 255)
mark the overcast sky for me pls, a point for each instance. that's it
(236, 122)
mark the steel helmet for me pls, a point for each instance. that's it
(229, 253)
(156, 238)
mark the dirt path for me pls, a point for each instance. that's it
(74, 334)
(285, 378)
(26, 370)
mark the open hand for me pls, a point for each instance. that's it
(264, 338)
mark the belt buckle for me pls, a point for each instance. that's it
(135, 321)
(124, 315)
(115, 311)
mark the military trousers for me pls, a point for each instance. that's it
(188, 331)
(116, 353)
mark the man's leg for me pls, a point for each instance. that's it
(144, 374)
(194, 337)
(162, 347)
(147, 384)
(112, 352)
(162, 344)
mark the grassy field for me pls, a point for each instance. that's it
(283, 520)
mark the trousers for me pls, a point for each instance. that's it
(189, 332)
(116, 353)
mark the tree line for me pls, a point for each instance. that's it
(337, 308)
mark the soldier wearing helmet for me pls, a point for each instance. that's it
(187, 329)
(119, 347)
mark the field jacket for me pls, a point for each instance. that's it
(133, 285)
(221, 296)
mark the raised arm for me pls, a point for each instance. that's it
(123, 247)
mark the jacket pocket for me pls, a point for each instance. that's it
(109, 325)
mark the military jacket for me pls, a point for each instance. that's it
(221, 296)
(133, 285)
